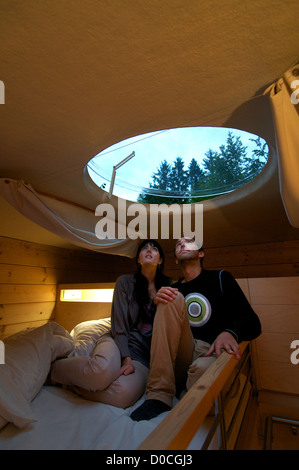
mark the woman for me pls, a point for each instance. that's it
(117, 372)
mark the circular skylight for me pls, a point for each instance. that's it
(179, 165)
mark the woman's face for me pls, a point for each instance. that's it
(149, 255)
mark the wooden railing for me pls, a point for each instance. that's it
(179, 427)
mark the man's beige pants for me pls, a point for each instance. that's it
(177, 360)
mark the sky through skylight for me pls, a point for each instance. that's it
(153, 148)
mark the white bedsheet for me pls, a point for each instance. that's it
(66, 421)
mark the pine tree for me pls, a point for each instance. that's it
(235, 160)
(222, 170)
(195, 175)
(161, 179)
(178, 176)
(261, 155)
(213, 164)
(229, 167)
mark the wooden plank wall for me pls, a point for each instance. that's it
(275, 259)
(276, 302)
(30, 273)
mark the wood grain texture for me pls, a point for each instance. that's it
(178, 428)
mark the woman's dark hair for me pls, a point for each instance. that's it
(141, 283)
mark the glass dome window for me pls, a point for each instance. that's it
(180, 165)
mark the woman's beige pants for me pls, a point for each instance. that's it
(94, 378)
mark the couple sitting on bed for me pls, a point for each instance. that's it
(164, 336)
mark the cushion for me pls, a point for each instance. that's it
(86, 335)
(28, 358)
(13, 406)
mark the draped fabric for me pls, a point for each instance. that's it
(69, 221)
(284, 97)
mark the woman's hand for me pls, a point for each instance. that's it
(127, 367)
(227, 342)
(165, 295)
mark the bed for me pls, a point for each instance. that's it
(34, 415)
(38, 416)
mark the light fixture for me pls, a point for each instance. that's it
(86, 295)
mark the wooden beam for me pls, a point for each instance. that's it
(178, 428)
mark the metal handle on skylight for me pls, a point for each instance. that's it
(125, 160)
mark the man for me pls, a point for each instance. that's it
(202, 314)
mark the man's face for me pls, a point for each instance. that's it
(186, 249)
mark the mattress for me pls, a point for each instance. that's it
(67, 422)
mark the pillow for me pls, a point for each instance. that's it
(28, 358)
(13, 406)
(86, 335)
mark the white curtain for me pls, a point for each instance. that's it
(284, 97)
(72, 223)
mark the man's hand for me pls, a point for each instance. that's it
(227, 342)
(165, 295)
(127, 367)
